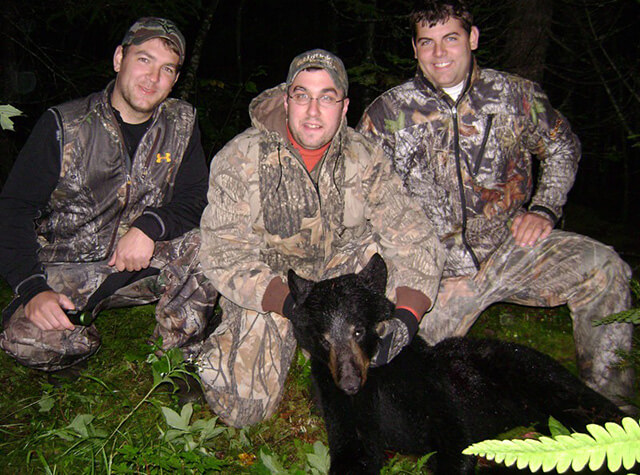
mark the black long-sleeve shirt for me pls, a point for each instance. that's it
(34, 177)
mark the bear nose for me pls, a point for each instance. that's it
(350, 385)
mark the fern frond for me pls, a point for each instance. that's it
(627, 316)
(619, 445)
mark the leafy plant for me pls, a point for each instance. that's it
(194, 436)
(402, 465)
(317, 462)
(628, 316)
(6, 113)
(619, 445)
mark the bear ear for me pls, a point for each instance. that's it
(299, 287)
(374, 275)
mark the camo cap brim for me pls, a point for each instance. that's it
(319, 58)
(147, 28)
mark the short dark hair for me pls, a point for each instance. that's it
(433, 12)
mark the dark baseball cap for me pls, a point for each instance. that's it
(319, 58)
(147, 28)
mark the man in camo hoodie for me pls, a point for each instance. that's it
(301, 190)
(461, 138)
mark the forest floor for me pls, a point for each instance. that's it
(121, 414)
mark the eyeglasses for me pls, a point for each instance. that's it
(303, 99)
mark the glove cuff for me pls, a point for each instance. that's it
(407, 317)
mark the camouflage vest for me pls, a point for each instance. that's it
(101, 190)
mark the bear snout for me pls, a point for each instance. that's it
(348, 365)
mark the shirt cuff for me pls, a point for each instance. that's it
(32, 286)
(151, 224)
(413, 300)
(544, 211)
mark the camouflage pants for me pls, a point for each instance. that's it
(186, 301)
(244, 362)
(564, 268)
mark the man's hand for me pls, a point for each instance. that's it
(395, 334)
(45, 311)
(528, 228)
(133, 252)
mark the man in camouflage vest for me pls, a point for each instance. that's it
(301, 190)
(461, 138)
(101, 210)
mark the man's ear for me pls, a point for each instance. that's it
(474, 38)
(345, 106)
(299, 287)
(117, 58)
(374, 275)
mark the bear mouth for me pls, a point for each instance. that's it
(349, 366)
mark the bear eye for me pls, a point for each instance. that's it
(358, 332)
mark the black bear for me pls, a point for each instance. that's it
(437, 398)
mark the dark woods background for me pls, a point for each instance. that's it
(586, 53)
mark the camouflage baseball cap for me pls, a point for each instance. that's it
(319, 58)
(147, 28)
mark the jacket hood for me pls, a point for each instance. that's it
(267, 111)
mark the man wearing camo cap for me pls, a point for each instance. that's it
(110, 218)
(300, 190)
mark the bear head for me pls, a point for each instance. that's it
(335, 320)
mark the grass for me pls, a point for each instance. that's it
(121, 414)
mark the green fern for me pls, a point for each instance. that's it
(628, 316)
(618, 445)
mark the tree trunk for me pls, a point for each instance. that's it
(189, 78)
(528, 39)
(239, 41)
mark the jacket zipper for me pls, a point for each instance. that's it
(117, 226)
(484, 144)
(129, 165)
(463, 201)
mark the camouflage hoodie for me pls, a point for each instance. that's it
(267, 213)
(469, 162)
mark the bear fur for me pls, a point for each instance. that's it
(438, 398)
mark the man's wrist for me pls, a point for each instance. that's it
(31, 287)
(545, 213)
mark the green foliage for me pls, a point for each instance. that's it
(619, 445)
(6, 113)
(196, 436)
(628, 316)
(122, 414)
(316, 462)
(404, 465)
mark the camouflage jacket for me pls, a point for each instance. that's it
(267, 213)
(101, 189)
(469, 163)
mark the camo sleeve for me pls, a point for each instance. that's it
(377, 123)
(230, 251)
(550, 138)
(406, 236)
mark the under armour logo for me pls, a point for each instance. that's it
(163, 158)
